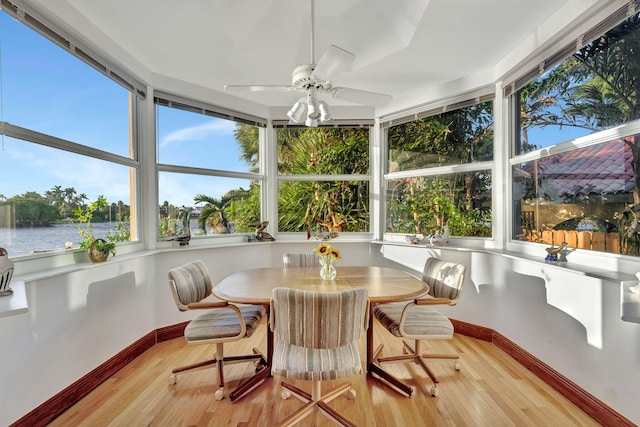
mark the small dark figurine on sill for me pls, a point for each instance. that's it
(261, 235)
(553, 251)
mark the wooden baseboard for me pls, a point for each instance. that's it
(53, 407)
(598, 410)
(59, 403)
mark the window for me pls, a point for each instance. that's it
(582, 191)
(439, 173)
(67, 139)
(323, 179)
(209, 171)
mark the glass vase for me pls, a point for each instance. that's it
(327, 269)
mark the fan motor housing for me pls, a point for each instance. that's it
(302, 77)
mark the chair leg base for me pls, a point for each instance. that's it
(411, 356)
(321, 403)
(391, 380)
(262, 372)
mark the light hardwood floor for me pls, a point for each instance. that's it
(490, 390)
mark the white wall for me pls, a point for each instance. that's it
(79, 319)
(568, 319)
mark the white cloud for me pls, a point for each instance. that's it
(200, 132)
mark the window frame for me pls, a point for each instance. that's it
(209, 110)
(454, 103)
(511, 94)
(136, 94)
(279, 178)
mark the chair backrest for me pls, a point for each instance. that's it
(304, 259)
(189, 283)
(445, 279)
(324, 320)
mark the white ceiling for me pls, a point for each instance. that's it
(402, 47)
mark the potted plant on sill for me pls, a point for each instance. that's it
(212, 214)
(97, 248)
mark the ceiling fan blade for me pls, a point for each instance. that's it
(361, 96)
(257, 88)
(334, 60)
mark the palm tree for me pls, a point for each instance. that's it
(212, 214)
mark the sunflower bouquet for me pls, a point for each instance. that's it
(329, 255)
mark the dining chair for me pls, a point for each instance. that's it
(300, 259)
(223, 322)
(315, 339)
(417, 321)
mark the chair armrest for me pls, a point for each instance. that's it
(432, 301)
(217, 304)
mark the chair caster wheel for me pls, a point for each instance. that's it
(413, 391)
(173, 379)
(456, 365)
(434, 391)
(351, 394)
(285, 394)
(219, 394)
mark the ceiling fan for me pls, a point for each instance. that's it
(305, 78)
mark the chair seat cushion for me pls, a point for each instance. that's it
(311, 364)
(223, 323)
(421, 321)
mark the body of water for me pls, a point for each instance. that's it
(25, 241)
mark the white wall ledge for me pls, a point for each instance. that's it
(577, 268)
(16, 303)
(629, 302)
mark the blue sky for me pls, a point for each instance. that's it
(46, 89)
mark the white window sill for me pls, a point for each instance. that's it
(16, 303)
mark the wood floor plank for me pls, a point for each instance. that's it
(491, 389)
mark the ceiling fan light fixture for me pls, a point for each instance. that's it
(311, 123)
(325, 114)
(313, 112)
(296, 112)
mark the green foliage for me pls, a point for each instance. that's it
(85, 215)
(32, 210)
(244, 208)
(213, 212)
(168, 226)
(423, 205)
(321, 205)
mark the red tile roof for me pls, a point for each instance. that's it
(598, 169)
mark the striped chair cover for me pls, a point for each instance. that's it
(418, 321)
(316, 333)
(304, 259)
(192, 284)
(445, 280)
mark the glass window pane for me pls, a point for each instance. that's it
(216, 205)
(424, 205)
(46, 89)
(341, 206)
(456, 137)
(37, 205)
(594, 89)
(318, 151)
(191, 139)
(581, 197)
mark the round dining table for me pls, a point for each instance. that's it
(383, 285)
